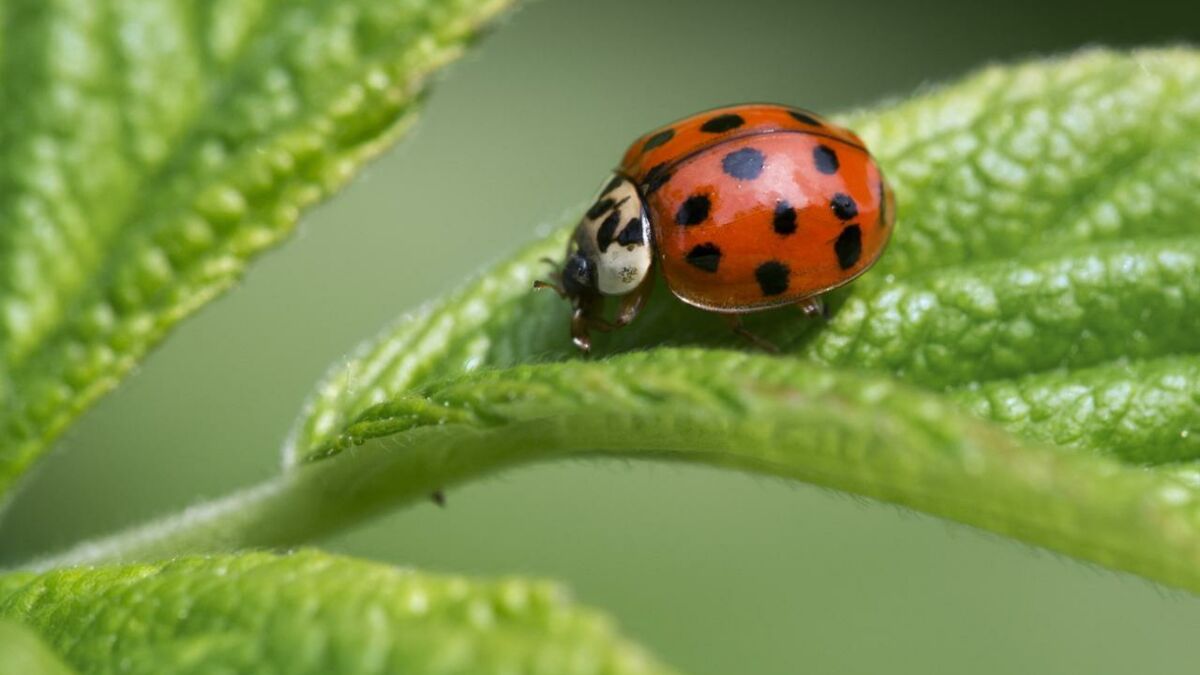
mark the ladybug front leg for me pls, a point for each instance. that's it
(580, 323)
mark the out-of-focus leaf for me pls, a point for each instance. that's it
(149, 149)
(23, 653)
(310, 612)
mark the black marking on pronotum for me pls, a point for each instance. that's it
(655, 178)
(599, 208)
(844, 206)
(722, 123)
(706, 256)
(805, 117)
(612, 185)
(744, 164)
(632, 233)
(848, 246)
(693, 210)
(785, 217)
(604, 235)
(658, 139)
(773, 277)
(825, 159)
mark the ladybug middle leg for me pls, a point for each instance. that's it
(735, 324)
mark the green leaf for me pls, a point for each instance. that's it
(1047, 224)
(149, 149)
(310, 612)
(1045, 274)
(781, 417)
(21, 651)
(1024, 359)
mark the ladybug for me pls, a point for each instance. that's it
(744, 208)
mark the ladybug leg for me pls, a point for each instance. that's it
(735, 324)
(814, 307)
(557, 288)
(631, 305)
(580, 322)
(599, 323)
(634, 301)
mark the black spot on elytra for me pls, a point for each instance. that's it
(655, 178)
(843, 206)
(744, 164)
(722, 123)
(608, 229)
(705, 256)
(658, 139)
(785, 217)
(848, 246)
(825, 159)
(632, 233)
(773, 277)
(693, 210)
(805, 118)
(599, 208)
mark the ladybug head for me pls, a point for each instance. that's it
(578, 275)
(609, 253)
(574, 279)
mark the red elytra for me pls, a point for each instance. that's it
(744, 208)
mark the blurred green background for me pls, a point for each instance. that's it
(716, 572)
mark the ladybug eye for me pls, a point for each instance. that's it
(578, 276)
